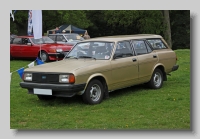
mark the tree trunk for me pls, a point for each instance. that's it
(167, 32)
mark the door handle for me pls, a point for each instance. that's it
(154, 56)
(134, 59)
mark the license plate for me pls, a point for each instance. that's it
(42, 91)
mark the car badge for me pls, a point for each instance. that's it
(44, 77)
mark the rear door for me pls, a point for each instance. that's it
(147, 59)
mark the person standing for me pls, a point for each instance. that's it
(57, 30)
(86, 35)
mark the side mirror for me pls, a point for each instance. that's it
(29, 43)
(115, 56)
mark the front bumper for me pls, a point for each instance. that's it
(64, 90)
(58, 55)
(175, 67)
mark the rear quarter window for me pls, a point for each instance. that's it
(17, 41)
(157, 43)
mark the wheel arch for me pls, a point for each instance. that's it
(99, 77)
(41, 51)
(162, 68)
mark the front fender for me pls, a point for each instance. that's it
(94, 76)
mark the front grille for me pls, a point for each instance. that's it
(45, 78)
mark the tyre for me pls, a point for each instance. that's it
(46, 97)
(44, 56)
(94, 93)
(156, 81)
(11, 58)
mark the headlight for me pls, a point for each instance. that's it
(28, 76)
(59, 50)
(67, 78)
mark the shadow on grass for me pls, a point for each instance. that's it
(128, 91)
(77, 100)
(23, 59)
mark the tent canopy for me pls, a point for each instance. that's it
(69, 29)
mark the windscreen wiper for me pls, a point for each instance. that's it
(71, 57)
(87, 57)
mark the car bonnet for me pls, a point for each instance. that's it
(65, 66)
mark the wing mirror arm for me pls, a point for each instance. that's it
(29, 43)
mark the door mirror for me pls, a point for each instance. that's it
(29, 43)
(118, 55)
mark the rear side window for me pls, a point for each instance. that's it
(141, 47)
(123, 49)
(157, 43)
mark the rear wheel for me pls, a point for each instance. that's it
(94, 93)
(44, 56)
(156, 79)
(11, 58)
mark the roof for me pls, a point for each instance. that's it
(69, 28)
(124, 37)
(63, 34)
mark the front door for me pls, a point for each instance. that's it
(124, 66)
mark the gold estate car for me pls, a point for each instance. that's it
(97, 66)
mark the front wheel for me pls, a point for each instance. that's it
(94, 93)
(156, 79)
(44, 56)
(11, 58)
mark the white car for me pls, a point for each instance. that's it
(66, 38)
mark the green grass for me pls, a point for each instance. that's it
(133, 108)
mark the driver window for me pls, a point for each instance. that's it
(24, 41)
(60, 38)
(123, 49)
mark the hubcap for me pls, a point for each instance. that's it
(95, 92)
(43, 57)
(157, 79)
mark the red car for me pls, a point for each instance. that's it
(45, 48)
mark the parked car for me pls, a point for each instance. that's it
(28, 47)
(66, 38)
(101, 65)
(12, 36)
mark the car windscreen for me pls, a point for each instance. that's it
(44, 39)
(96, 50)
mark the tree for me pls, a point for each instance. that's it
(180, 29)
(135, 21)
(50, 19)
(167, 31)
